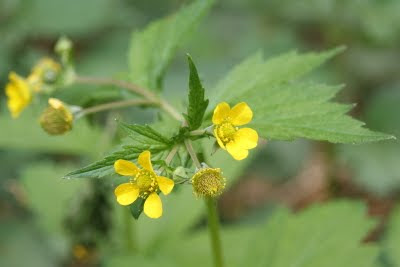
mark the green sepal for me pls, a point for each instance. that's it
(136, 208)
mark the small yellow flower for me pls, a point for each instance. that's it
(236, 141)
(19, 94)
(57, 118)
(144, 183)
(45, 71)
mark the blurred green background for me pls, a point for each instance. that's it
(49, 221)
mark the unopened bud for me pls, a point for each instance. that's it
(57, 118)
(208, 182)
(64, 49)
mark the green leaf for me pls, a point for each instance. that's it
(197, 104)
(152, 49)
(286, 108)
(49, 196)
(136, 208)
(139, 138)
(326, 235)
(137, 130)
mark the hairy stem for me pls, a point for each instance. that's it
(113, 105)
(190, 150)
(170, 157)
(213, 226)
(146, 93)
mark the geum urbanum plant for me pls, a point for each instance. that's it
(257, 100)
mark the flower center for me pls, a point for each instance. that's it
(208, 182)
(146, 181)
(226, 132)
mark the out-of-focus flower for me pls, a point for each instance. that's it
(57, 118)
(144, 183)
(208, 182)
(229, 137)
(18, 93)
(44, 72)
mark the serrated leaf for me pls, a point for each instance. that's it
(197, 103)
(136, 208)
(137, 130)
(286, 108)
(140, 138)
(152, 49)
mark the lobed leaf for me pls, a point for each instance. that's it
(152, 49)
(286, 108)
(197, 104)
(140, 138)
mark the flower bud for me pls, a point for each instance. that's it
(208, 182)
(57, 118)
(64, 49)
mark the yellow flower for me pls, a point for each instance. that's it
(236, 141)
(18, 93)
(144, 183)
(45, 71)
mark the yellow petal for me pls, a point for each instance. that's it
(221, 112)
(246, 138)
(125, 168)
(236, 151)
(165, 184)
(144, 160)
(153, 206)
(18, 93)
(220, 143)
(126, 193)
(241, 114)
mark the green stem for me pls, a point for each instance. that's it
(190, 150)
(213, 226)
(129, 233)
(112, 105)
(146, 93)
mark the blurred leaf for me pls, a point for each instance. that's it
(69, 17)
(26, 133)
(48, 196)
(392, 239)
(139, 138)
(152, 49)
(375, 167)
(126, 260)
(22, 245)
(285, 108)
(323, 235)
(197, 103)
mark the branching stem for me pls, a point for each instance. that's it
(113, 105)
(145, 93)
(190, 150)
